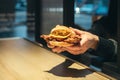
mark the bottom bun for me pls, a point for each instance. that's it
(60, 44)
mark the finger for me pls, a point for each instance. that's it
(58, 49)
(75, 52)
(73, 48)
(50, 46)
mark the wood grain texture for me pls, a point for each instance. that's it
(23, 60)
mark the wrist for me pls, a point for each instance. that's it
(96, 40)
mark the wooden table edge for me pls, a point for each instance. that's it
(40, 45)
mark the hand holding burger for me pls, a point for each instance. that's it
(72, 40)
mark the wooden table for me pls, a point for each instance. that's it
(21, 59)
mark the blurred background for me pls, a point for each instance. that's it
(17, 18)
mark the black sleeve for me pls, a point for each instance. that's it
(105, 48)
(99, 27)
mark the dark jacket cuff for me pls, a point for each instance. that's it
(105, 48)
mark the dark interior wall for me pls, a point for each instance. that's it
(30, 15)
(118, 21)
(31, 6)
(6, 7)
(68, 13)
(7, 12)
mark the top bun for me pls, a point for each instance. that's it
(61, 32)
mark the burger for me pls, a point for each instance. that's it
(61, 36)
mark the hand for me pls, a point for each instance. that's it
(87, 41)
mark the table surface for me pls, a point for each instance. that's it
(21, 59)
